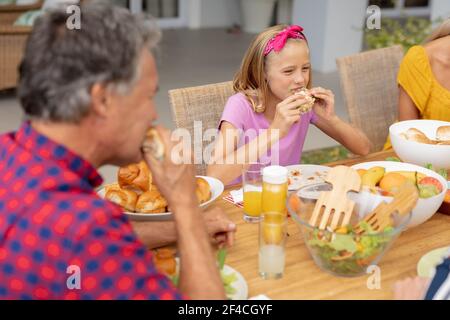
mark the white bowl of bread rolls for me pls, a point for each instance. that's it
(422, 142)
(140, 198)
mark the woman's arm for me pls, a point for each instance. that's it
(407, 110)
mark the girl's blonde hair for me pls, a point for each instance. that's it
(442, 31)
(251, 77)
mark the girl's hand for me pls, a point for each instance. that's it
(324, 106)
(287, 113)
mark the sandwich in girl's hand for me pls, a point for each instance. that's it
(306, 107)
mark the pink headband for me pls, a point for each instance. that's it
(279, 41)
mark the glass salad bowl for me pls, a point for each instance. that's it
(342, 252)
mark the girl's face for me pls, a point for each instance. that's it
(288, 70)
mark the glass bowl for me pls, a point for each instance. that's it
(342, 252)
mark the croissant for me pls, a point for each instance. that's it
(136, 177)
(203, 190)
(151, 202)
(125, 198)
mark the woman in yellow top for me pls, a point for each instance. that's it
(424, 79)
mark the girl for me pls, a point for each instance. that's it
(262, 122)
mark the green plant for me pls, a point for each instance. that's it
(408, 33)
(325, 155)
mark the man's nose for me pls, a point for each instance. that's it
(153, 113)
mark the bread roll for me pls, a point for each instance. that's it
(203, 190)
(151, 202)
(135, 177)
(165, 262)
(443, 133)
(153, 144)
(125, 198)
(416, 135)
(112, 186)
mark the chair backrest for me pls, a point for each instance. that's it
(369, 85)
(10, 13)
(204, 105)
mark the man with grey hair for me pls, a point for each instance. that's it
(88, 99)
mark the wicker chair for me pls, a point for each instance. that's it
(12, 45)
(204, 104)
(12, 42)
(369, 85)
(10, 13)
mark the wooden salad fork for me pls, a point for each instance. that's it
(381, 217)
(334, 207)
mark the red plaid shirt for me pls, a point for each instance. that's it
(53, 224)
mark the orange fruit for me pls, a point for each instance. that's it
(392, 181)
(447, 196)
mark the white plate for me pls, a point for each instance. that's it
(429, 261)
(240, 285)
(216, 186)
(309, 174)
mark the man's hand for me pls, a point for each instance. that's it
(220, 228)
(155, 234)
(175, 181)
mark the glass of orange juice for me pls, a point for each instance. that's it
(252, 187)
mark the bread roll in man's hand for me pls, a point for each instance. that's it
(153, 145)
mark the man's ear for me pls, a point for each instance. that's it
(100, 98)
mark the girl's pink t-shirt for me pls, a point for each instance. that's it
(288, 151)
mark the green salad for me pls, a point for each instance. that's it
(346, 253)
(228, 280)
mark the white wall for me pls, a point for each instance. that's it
(440, 9)
(314, 25)
(213, 13)
(334, 29)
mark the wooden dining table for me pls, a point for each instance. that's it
(303, 279)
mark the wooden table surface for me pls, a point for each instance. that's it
(304, 280)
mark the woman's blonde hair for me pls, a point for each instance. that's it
(442, 31)
(251, 77)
